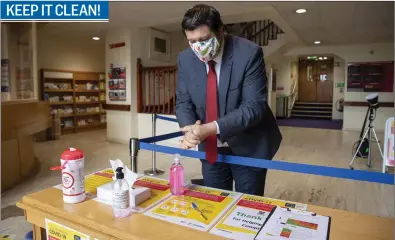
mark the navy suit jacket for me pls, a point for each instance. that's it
(245, 120)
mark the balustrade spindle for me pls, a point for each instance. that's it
(168, 95)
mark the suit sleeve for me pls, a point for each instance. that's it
(253, 103)
(185, 108)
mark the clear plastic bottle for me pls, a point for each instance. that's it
(177, 177)
(120, 195)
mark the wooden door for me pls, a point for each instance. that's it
(307, 85)
(324, 80)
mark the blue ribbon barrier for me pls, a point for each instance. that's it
(359, 175)
(167, 118)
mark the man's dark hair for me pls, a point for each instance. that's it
(199, 15)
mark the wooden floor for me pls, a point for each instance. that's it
(328, 148)
(302, 145)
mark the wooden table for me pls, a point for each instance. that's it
(95, 219)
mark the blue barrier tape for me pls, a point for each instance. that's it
(359, 175)
(167, 118)
(161, 137)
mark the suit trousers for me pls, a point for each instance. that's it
(249, 180)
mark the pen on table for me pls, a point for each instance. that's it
(194, 206)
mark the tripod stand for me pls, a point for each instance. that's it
(364, 144)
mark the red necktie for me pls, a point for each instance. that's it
(211, 112)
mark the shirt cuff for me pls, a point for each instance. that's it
(217, 127)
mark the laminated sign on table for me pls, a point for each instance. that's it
(160, 189)
(199, 207)
(293, 224)
(247, 216)
(56, 231)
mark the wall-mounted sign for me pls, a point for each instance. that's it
(117, 45)
(339, 85)
(280, 88)
(5, 75)
(117, 82)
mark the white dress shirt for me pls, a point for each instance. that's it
(218, 60)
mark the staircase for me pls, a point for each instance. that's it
(312, 110)
(261, 32)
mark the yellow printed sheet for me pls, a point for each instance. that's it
(160, 189)
(247, 216)
(97, 179)
(210, 204)
(56, 231)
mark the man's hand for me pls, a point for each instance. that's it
(187, 143)
(197, 133)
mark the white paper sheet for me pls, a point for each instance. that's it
(294, 224)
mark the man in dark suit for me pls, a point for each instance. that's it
(222, 102)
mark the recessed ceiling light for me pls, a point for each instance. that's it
(325, 58)
(317, 42)
(320, 58)
(301, 10)
(96, 38)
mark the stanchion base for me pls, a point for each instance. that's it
(154, 172)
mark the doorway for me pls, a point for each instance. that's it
(315, 80)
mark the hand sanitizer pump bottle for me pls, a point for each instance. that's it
(120, 195)
(177, 177)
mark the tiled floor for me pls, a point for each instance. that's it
(302, 145)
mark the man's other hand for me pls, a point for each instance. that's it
(197, 133)
(185, 142)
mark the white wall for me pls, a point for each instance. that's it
(353, 116)
(162, 127)
(338, 77)
(69, 52)
(284, 76)
(123, 125)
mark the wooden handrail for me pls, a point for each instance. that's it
(259, 32)
(247, 27)
(262, 30)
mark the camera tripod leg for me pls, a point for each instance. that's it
(359, 146)
(378, 143)
(370, 148)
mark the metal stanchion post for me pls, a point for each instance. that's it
(133, 152)
(153, 171)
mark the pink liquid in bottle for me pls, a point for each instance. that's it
(177, 177)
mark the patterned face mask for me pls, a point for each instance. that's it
(206, 50)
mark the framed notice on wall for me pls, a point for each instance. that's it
(5, 75)
(117, 82)
(370, 77)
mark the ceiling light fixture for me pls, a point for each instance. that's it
(301, 10)
(325, 58)
(317, 42)
(96, 38)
